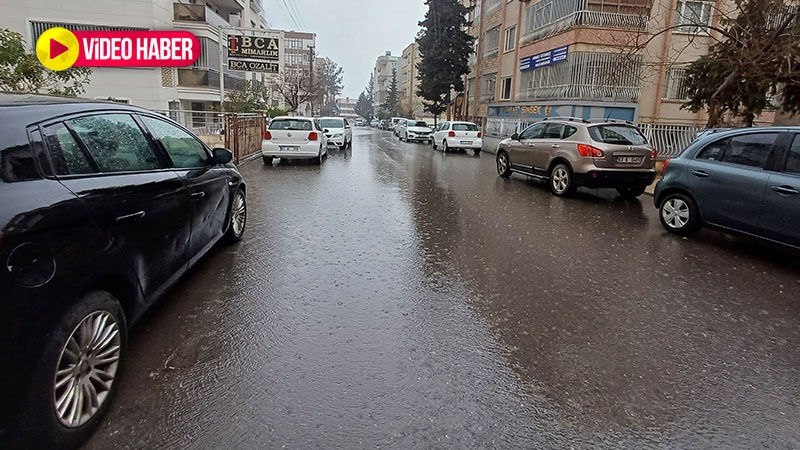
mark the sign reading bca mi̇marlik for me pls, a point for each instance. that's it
(249, 47)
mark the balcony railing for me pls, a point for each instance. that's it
(184, 12)
(547, 18)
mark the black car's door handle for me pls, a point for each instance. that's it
(198, 195)
(785, 190)
(700, 173)
(135, 216)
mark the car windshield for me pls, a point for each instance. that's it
(465, 127)
(331, 123)
(617, 134)
(418, 123)
(289, 124)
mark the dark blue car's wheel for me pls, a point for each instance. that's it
(678, 214)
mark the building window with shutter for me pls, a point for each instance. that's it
(676, 84)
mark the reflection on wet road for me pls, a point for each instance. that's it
(399, 297)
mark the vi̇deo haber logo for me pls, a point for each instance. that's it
(59, 48)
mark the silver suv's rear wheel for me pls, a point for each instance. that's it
(561, 180)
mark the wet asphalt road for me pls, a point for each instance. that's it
(397, 297)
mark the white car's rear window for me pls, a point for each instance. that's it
(288, 124)
(465, 127)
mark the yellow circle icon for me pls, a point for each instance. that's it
(57, 49)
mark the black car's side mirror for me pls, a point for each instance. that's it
(326, 130)
(222, 155)
(515, 137)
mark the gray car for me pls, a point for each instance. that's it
(571, 152)
(745, 181)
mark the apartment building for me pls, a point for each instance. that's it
(382, 78)
(191, 88)
(585, 58)
(298, 50)
(410, 103)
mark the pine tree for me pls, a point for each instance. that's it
(392, 105)
(364, 106)
(445, 48)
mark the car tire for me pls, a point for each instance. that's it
(95, 330)
(562, 182)
(679, 214)
(444, 146)
(267, 160)
(433, 142)
(237, 218)
(631, 192)
(343, 146)
(476, 152)
(503, 164)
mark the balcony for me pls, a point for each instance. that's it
(546, 19)
(255, 5)
(184, 12)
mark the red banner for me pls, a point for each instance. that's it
(136, 48)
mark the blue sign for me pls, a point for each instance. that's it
(547, 58)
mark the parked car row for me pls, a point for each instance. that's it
(104, 207)
(745, 181)
(304, 138)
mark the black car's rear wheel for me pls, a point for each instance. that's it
(503, 164)
(77, 376)
(679, 214)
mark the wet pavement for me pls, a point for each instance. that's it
(398, 297)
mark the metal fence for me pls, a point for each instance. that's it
(200, 122)
(669, 140)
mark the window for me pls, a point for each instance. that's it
(558, 131)
(489, 86)
(693, 16)
(465, 127)
(66, 153)
(491, 42)
(294, 43)
(115, 142)
(290, 124)
(793, 162)
(749, 149)
(533, 132)
(184, 150)
(506, 88)
(714, 150)
(676, 84)
(511, 39)
(617, 134)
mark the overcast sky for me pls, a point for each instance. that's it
(351, 32)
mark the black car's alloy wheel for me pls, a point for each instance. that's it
(238, 218)
(74, 382)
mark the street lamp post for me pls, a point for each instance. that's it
(450, 102)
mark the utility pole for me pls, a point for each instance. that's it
(311, 74)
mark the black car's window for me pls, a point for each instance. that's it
(713, 151)
(68, 158)
(465, 127)
(184, 150)
(115, 142)
(533, 132)
(793, 162)
(749, 149)
(617, 134)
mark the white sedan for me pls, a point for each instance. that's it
(458, 135)
(338, 131)
(294, 138)
(415, 130)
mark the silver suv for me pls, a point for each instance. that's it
(571, 152)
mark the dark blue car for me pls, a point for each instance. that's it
(745, 181)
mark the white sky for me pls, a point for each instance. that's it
(353, 33)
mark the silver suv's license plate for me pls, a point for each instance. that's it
(629, 159)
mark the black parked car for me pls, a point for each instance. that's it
(102, 208)
(745, 181)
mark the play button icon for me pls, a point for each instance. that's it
(57, 48)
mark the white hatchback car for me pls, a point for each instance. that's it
(294, 138)
(416, 130)
(458, 135)
(337, 130)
